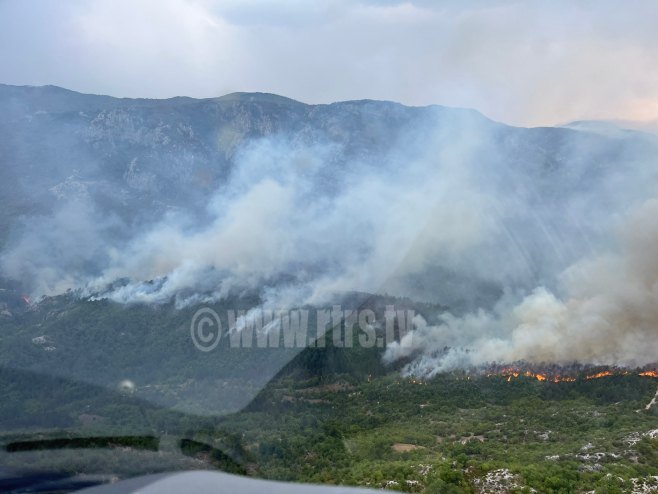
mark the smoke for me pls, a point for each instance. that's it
(538, 240)
(58, 252)
(297, 228)
(607, 316)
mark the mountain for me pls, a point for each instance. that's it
(601, 127)
(646, 126)
(87, 180)
(122, 219)
(140, 157)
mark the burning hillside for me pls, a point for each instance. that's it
(548, 373)
(556, 374)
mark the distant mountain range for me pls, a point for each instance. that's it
(132, 163)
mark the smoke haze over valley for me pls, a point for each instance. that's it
(538, 241)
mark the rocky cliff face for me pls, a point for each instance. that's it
(133, 154)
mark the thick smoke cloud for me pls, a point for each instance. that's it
(608, 315)
(290, 225)
(282, 216)
(539, 241)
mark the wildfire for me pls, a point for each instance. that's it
(564, 379)
(417, 381)
(599, 375)
(512, 374)
(554, 375)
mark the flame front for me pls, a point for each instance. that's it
(599, 375)
(510, 373)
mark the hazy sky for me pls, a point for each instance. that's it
(525, 62)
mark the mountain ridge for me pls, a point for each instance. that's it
(126, 166)
(233, 97)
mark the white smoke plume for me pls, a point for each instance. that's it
(282, 217)
(607, 316)
(540, 241)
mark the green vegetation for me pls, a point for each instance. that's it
(329, 415)
(449, 434)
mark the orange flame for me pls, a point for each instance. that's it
(510, 373)
(599, 375)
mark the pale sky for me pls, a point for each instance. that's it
(520, 62)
